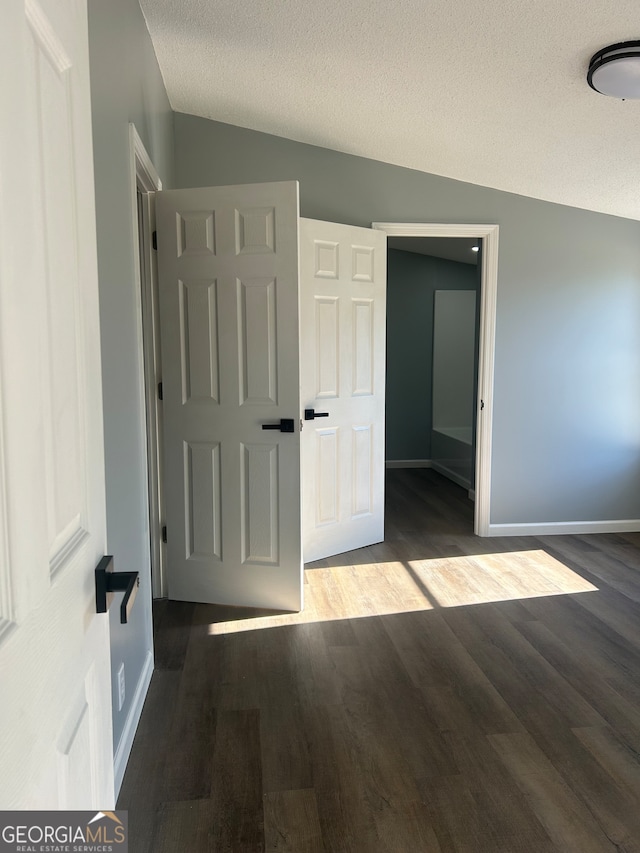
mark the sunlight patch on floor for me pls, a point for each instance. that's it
(385, 588)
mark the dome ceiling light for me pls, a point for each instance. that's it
(615, 70)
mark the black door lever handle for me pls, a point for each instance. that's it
(285, 425)
(108, 582)
(311, 414)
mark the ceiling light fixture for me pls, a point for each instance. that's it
(615, 70)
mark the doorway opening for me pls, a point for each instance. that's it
(444, 395)
(432, 347)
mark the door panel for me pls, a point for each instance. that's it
(228, 275)
(343, 315)
(55, 714)
(325, 335)
(199, 334)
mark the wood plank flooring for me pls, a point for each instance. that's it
(439, 693)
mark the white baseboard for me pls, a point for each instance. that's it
(128, 733)
(553, 528)
(409, 463)
(450, 474)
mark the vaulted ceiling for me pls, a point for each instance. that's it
(490, 92)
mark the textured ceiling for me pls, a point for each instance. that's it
(489, 92)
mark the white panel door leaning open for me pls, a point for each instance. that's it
(228, 278)
(237, 346)
(56, 748)
(343, 323)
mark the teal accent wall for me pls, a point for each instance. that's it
(412, 280)
(566, 407)
(126, 86)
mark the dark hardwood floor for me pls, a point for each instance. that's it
(439, 692)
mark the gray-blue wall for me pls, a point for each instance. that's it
(412, 280)
(125, 86)
(566, 438)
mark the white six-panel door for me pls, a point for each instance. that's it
(55, 710)
(343, 328)
(228, 277)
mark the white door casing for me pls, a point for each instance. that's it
(145, 182)
(228, 278)
(55, 713)
(343, 329)
(488, 308)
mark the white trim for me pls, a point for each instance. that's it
(47, 36)
(143, 175)
(450, 474)
(133, 718)
(143, 167)
(488, 299)
(7, 607)
(408, 463)
(553, 528)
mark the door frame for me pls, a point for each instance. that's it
(144, 178)
(486, 361)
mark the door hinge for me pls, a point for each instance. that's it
(160, 391)
(481, 405)
(164, 533)
(154, 240)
